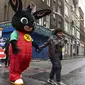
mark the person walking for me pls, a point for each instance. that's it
(55, 43)
(7, 52)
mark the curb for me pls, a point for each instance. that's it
(35, 60)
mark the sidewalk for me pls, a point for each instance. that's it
(71, 65)
(38, 72)
(67, 65)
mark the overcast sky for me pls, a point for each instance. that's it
(82, 5)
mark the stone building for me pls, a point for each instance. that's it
(71, 27)
(82, 33)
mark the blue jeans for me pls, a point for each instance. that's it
(56, 67)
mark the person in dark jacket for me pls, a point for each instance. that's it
(7, 52)
(55, 43)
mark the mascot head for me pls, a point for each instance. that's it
(23, 20)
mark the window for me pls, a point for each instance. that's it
(54, 0)
(59, 3)
(53, 20)
(54, 8)
(66, 26)
(41, 21)
(59, 9)
(59, 6)
(43, 0)
(77, 22)
(66, 10)
(59, 25)
(67, 1)
(59, 19)
(33, 6)
(73, 8)
(48, 2)
(77, 12)
(54, 16)
(48, 21)
(73, 31)
(78, 35)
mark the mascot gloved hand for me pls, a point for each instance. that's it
(20, 49)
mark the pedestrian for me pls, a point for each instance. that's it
(7, 52)
(55, 44)
(2, 43)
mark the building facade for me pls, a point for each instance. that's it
(71, 28)
(82, 35)
(65, 15)
(57, 17)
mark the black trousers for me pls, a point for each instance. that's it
(7, 60)
(56, 67)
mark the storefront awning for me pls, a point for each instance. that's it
(6, 27)
(41, 30)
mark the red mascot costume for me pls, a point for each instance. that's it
(20, 50)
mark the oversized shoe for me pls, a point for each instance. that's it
(17, 82)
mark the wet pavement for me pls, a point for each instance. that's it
(38, 73)
(76, 77)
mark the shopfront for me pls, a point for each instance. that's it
(40, 35)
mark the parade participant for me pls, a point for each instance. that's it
(20, 50)
(55, 44)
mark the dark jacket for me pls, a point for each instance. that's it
(55, 46)
(7, 46)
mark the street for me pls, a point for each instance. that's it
(73, 73)
(39, 29)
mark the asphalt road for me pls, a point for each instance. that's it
(37, 74)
